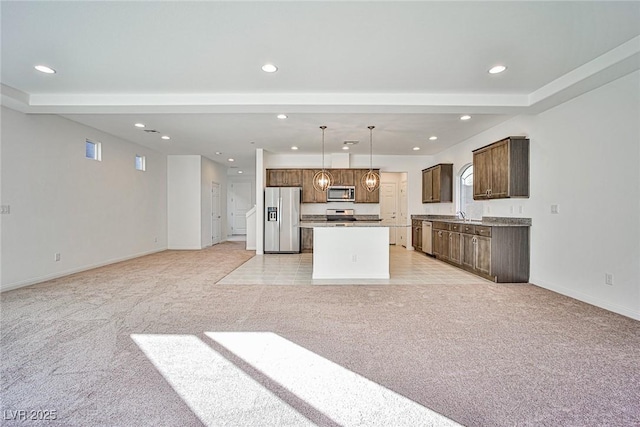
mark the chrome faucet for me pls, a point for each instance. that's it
(463, 216)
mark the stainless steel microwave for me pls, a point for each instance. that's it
(341, 193)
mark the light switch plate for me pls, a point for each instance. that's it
(555, 209)
(5, 210)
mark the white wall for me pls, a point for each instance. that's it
(184, 201)
(262, 160)
(92, 213)
(585, 157)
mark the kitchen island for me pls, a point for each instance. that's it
(351, 250)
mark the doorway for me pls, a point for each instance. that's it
(389, 208)
(215, 213)
(401, 234)
(240, 202)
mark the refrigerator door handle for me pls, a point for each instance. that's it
(279, 217)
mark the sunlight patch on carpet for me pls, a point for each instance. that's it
(215, 390)
(340, 394)
(220, 392)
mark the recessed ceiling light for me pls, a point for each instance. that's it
(165, 137)
(345, 147)
(240, 172)
(45, 69)
(139, 125)
(416, 148)
(497, 69)
(218, 152)
(294, 148)
(433, 138)
(282, 116)
(465, 117)
(269, 68)
(231, 160)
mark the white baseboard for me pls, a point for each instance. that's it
(40, 279)
(587, 299)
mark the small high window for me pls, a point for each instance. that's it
(141, 163)
(93, 150)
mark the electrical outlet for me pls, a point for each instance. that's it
(511, 209)
(155, 240)
(56, 256)
(608, 279)
(520, 209)
(555, 209)
(354, 258)
(5, 210)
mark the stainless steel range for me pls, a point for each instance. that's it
(341, 215)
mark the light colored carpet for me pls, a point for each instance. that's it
(155, 341)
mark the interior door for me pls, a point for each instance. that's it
(401, 232)
(215, 213)
(240, 204)
(388, 208)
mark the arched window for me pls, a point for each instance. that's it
(466, 204)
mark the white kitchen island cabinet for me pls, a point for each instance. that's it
(348, 252)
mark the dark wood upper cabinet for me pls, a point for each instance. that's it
(362, 195)
(284, 177)
(309, 193)
(501, 169)
(304, 178)
(343, 176)
(437, 183)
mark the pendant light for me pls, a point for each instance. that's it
(322, 180)
(370, 180)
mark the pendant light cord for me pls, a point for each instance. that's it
(371, 148)
(323, 128)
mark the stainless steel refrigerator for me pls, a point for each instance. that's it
(282, 219)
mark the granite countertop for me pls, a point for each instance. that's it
(376, 223)
(489, 221)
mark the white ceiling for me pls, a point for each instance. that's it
(191, 70)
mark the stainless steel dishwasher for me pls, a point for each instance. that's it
(427, 236)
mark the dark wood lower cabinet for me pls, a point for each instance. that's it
(468, 259)
(498, 253)
(441, 242)
(306, 242)
(455, 249)
(483, 255)
(416, 235)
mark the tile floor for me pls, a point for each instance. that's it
(406, 268)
